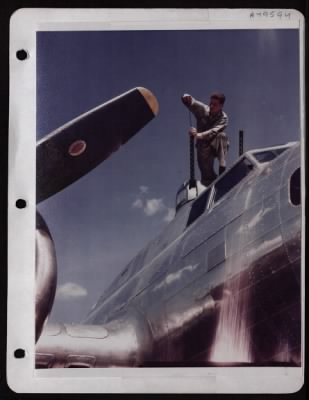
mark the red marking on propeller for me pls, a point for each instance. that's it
(77, 148)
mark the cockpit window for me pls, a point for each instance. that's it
(268, 155)
(185, 194)
(232, 178)
(181, 198)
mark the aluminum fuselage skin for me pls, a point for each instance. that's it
(169, 298)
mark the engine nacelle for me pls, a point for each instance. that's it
(45, 274)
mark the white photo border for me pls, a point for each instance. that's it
(22, 376)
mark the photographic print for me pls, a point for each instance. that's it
(168, 197)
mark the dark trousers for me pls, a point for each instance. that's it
(205, 161)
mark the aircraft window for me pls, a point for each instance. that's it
(198, 207)
(268, 155)
(185, 194)
(295, 192)
(232, 178)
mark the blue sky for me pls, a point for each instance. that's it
(100, 222)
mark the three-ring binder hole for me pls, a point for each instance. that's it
(21, 203)
(22, 54)
(19, 353)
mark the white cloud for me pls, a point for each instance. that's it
(70, 290)
(138, 203)
(177, 275)
(143, 189)
(153, 206)
(174, 276)
(169, 215)
(140, 199)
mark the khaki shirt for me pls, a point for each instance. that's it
(207, 125)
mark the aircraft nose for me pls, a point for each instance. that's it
(46, 274)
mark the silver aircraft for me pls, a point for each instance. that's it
(221, 285)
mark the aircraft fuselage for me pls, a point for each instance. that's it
(245, 248)
(220, 285)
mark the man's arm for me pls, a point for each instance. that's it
(212, 133)
(198, 108)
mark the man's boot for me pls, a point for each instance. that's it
(221, 170)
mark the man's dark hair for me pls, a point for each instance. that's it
(218, 96)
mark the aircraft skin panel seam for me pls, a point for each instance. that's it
(237, 216)
(114, 294)
(264, 232)
(221, 228)
(231, 193)
(213, 263)
(285, 243)
(224, 226)
(184, 306)
(191, 283)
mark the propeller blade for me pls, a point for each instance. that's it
(74, 149)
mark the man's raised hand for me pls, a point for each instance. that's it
(186, 99)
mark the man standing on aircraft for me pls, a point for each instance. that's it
(211, 140)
